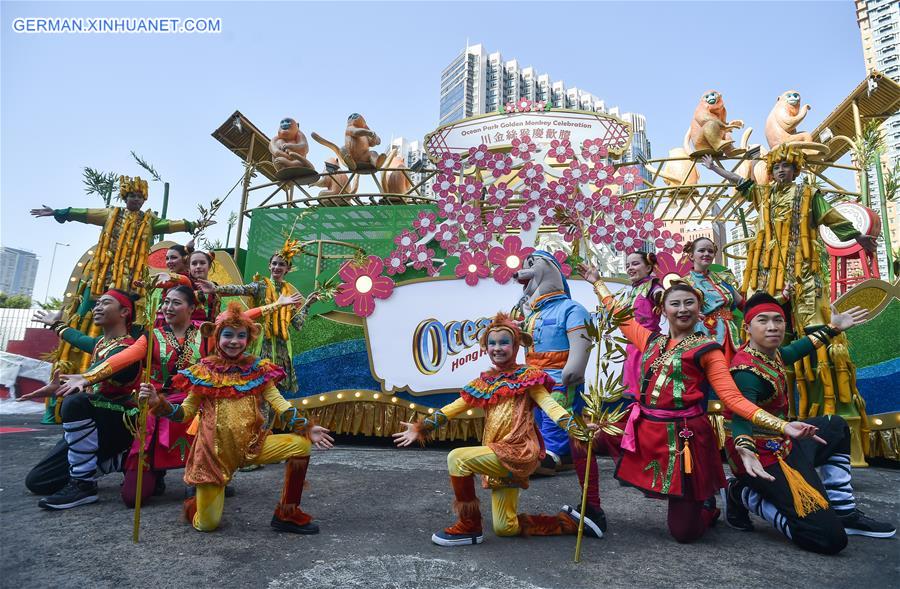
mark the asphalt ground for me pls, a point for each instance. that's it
(377, 507)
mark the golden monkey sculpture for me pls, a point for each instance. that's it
(710, 128)
(358, 141)
(395, 181)
(785, 116)
(335, 184)
(289, 149)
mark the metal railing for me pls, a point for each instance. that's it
(13, 323)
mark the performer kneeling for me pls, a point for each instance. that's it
(225, 389)
(512, 450)
(776, 476)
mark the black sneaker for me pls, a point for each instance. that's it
(293, 528)
(76, 493)
(547, 467)
(736, 515)
(594, 519)
(859, 524)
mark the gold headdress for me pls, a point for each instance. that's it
(786, 153)
(290, 249)
(128, 184)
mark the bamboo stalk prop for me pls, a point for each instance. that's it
(606, 389)
(143, 411)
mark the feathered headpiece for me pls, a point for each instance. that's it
(234, 317)
(128, 184)
(290, 249)
(503, 322)
(786, 153)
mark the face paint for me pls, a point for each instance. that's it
(233, 342)
(501, 348)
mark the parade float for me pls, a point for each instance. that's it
(413, 257)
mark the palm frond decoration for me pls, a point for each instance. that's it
(892, 183)
(147, 166)
(103, 184)
(868, 144)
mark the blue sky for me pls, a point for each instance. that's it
(70, 101)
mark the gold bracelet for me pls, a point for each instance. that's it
(766, 420)
(601, 290)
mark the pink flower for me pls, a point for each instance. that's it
(522, 218)
(580, 207)
(450, 163)
(499, 194)
(532, 173)
(496, 221)
(362, 284)
(444, 185)
(666, 265)
(534, 193)
(539, 106)
(561, 150)
(472, 266)
(648, 226)
(479, 156)
(523, 147)
(628, 241)
(395, 263)
(559, 191)
(510, 107)
(479, 239)
(447, 206)
(406, 241)
(669, 242)
(500, 165)
(448, 236)
(568, 231)
(422, 257)
(425, 222)
(601, 232)
(467, 216)
(625, 214)
(561, 257)
(576, 173)
(471, 189)
(508, 258)
(602, 174)
(605, 201)
(594, 150)
(628, 178)
(523, 105)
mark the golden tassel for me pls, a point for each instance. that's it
(194, 427)
(807, 498)
(686, 456)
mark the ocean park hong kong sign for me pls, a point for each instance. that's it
(425, 338)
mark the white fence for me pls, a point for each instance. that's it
(13, 323)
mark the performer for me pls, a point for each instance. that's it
(512, 447)
(669, 448)
(199, 264)
(177, 345)
(275, 342)
(776, 476)
(785, 253)
(95, 438)
(643, 296)
(177, 257)
(720, 295)
(224, 389)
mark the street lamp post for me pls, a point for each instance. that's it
(52, 260)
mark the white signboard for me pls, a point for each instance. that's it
(499, 130)
(424, 338)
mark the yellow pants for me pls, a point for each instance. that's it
(474, 460)
(211, 498)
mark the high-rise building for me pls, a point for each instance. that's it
(18, 270)
(879, 26)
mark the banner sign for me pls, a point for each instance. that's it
(424, 338)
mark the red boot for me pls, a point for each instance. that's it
(467, 530)
(288, 515)
(189, 509)
(561, 524)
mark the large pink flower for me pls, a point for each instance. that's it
(522, 218)
(523, 105)
(669, 242)
(472, 266)
(602, 232)
(448, 236)
(395, 263)
(500, 165)
(422, 257)
(450, 163)
(499, 194)
(561, 150)
(406, 241)
(363, 283)
(532, 173)
(602, 174)
(479, 156)
(576, 173)
(471, 189)
(594, 150)
(667, 265)
(561, 257)
(425, 222)
(508, 258)
(628, 178)
(648, 227)
(444, 185)
(523, 147)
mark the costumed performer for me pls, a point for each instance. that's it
(669, 449)
(95, 436)
(225, 389)
(512, 448)
(198, 263)
(785, 253)
(644, 297)
(802, 488)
